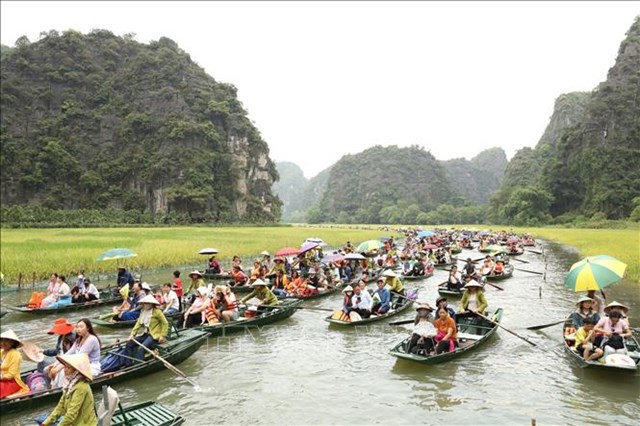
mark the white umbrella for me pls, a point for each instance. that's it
(208, 250)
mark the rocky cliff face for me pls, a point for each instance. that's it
(96, 121)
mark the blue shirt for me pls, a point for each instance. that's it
(385, 297)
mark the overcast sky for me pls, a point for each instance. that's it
(321, 80)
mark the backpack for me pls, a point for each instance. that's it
(36, 382)
(113, 362)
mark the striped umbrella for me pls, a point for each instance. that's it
(594, 273)
(369, 245)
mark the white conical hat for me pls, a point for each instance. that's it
(11, 335)
(258, 282)
(149, 299)
(79, 362)
(389, 273)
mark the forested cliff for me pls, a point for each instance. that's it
(99, 121)
(587, 162)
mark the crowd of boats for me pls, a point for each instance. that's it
(170, 322)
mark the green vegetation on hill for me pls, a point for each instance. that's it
(587, 164)
(98, 121)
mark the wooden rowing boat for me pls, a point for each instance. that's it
(444, 291)
(148, 413)
(508, 272)
(320, 293)
(266, 315)
(406, 304)
(472, 333)
(614, 362)
(175, 350)
(211, 276)
(106, 298)
(518, 252)
(103, 320)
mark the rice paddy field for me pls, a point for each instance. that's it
(33, 254)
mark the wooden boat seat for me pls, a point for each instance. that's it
(469, 336)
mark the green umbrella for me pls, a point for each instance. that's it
(369, 245)
(497, 248)
(594, 273)
(117, 253)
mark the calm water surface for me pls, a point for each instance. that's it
(303, 371)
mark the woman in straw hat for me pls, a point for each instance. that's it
(154, 325)
(584, 310)
(261, 292)
(616, 306)
(473, 300)
(10, 359)
(76, 402)
(194, 316)
(423, 331)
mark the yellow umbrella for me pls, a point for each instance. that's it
(594, 273)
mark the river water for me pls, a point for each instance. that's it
(303, 371)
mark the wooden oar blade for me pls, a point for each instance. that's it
(402, 322)
(540, 327)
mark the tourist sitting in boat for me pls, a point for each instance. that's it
(257, 269)
(498, 268)
(418, 268)
(394, 283)
(454, 281)
(52, 290)
(278, 265)
(584, 310)
(473, 299)
(230, 311)
(10, 383)
(611, 332)
(196, 282)
(314, 279)
(171, 303)
(280, 283)
(347, 293)
(382, 299)
(87, 342)
(124, 277)
(194, 316)
(615, 306)
(131, 309)
(62, 297)
(236, 261)
(598, 302)
(66, 338)
(154, 326)
(266, 261)
(76, 403)
(470, 269)
(238, 277)
(447, 334)
(487, 266)
(213, 312)
(261, 292)
(361, 304)
(442, 302)
(424, 332)
(214, 265)
(584, 343)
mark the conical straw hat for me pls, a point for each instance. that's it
(11, 335)
(79, 362)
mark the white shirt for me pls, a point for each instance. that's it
(93, 290)
(64, 289)
(473, 303)
(171, 300)
(366, 302)
(424, 329)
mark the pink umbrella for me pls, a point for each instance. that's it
(288, 251)
(430, 247)
(308, 246)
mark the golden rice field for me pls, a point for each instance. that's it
(36, 253)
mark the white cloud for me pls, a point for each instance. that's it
(321, 80)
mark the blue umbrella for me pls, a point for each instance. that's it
(426, 234)
(117, 253)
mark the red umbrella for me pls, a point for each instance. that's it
(288, 251)
(430, 247)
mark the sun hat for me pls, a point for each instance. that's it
(265, 253)
(615, 304)
(149, 299)
(203, 291)
(11, 335)
(198, 273)
(61, 326)
(32, 352)
(347, 289)
(145, 286)
(278, 259)
(258, 282)
(389, 273)
(472, 284)
(79, 362)
(584, 299)
(424, 305)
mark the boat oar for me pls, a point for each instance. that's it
(166, 363)
(534, 251)
(540, 327)
(401, 322)
(531, 272)
(505, 328)
(494, 285)
(520, 260)
(315, 309)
